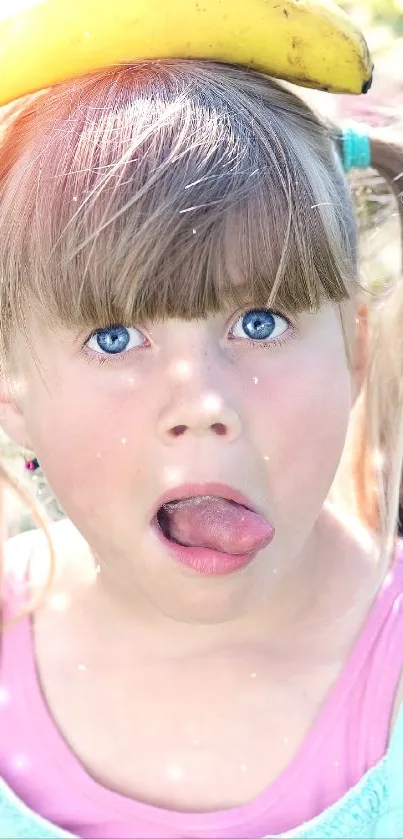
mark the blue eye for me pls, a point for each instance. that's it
(259, 325)
(114, 340)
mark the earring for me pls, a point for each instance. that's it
(42, 489)
(32, 465)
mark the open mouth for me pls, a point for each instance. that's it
(214, 523)
(164, 521)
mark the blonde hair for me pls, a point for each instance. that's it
(9, 481)
(371, 480)
(165, 189)
(119, 188)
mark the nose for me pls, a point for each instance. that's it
(199, 414)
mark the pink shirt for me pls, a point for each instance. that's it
(349, 737)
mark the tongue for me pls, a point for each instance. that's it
(215, 523)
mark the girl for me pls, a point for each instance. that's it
(218, 654)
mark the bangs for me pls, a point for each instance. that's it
(173, 190)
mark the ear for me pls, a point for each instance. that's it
(360, 347)
(12, 419)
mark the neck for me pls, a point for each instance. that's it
(314, 590)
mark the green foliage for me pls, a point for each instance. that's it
(383, 12)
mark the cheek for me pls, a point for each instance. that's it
(299, 422)
(85, 437)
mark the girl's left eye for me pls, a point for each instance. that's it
(114, 340)
(260, 325)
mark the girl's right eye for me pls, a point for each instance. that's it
(115, 340)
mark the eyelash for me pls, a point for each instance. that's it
(105, 359)
(269, 344)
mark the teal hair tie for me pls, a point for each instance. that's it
(356, 147)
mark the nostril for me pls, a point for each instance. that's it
(178, 430)
(219, 429)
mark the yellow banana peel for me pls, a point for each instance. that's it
(308, 42)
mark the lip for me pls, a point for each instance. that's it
(192, 490)
(203, 561)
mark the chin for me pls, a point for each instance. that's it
(186, 596)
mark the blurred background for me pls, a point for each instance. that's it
(382, 23)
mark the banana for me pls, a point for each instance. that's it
(308, 42)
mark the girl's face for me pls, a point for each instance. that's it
(251, 400)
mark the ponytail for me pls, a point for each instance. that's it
(40, 519)
(376, 440)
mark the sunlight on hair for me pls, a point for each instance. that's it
(249, 191)
(379, 460)
(364, 537)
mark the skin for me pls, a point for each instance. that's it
(253, 641)
(102, 429)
